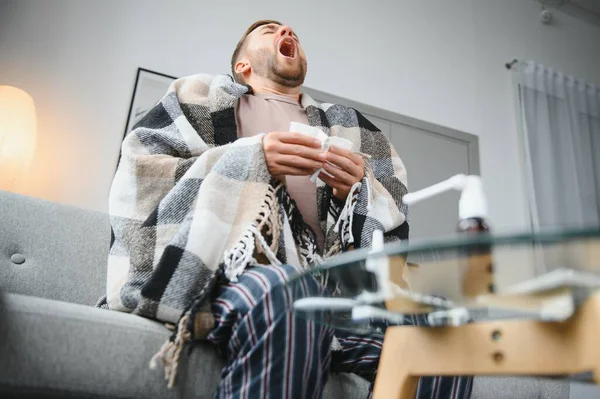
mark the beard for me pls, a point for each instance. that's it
(264, 64)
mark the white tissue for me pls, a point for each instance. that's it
(326, 141)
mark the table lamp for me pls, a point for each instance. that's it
(17, 135)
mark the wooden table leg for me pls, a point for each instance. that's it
(492, 348)
(394, 374)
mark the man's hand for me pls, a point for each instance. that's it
(289, 153)
(347, 169)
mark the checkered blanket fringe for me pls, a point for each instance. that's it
(192, 205)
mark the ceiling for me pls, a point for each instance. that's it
(585, 10)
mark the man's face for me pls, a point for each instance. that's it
(274, 53)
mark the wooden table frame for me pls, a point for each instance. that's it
(517, 347)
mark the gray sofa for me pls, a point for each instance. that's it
(54, 344)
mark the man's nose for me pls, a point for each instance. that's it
(286, 30)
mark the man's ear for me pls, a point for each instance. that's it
(242, 66)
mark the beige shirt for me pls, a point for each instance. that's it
(264, 113)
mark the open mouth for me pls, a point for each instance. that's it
(287, 48)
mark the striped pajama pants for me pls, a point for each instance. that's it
(274, 353)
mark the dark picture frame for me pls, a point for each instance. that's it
(150, 86)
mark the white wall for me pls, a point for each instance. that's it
(440, 61)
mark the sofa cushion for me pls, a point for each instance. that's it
(64, 249)
(57, 349)
(529, 387)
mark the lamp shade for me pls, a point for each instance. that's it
(17, 135)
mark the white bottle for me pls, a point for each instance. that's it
(472, 214)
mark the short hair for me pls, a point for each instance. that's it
(240, 46)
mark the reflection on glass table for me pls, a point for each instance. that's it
(457, 280)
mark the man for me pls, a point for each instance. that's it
(212, 212)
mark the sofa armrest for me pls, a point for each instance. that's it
(51, 250)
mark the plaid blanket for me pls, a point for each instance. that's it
(191, 203)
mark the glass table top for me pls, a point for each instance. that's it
(457, 279)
